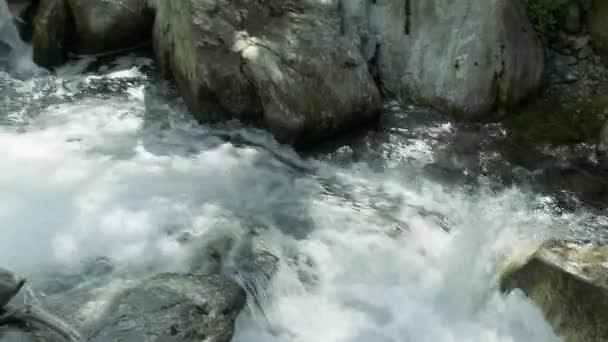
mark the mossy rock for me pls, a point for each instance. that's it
(52, 26)
(568, 281)
(598, 27)
(543, 14)
(554, 122)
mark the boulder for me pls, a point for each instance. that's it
(102, 26)
(602, 146)
(166, 307)
(285, 64)
(466, 57)
(598, 27)
(52, 27)
(569, 282)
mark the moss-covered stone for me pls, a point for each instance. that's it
(598, 27)
(554, 122)
(568, 281)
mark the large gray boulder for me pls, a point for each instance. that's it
(166, 307)
(569, 282)
(285, 64)
(467, 57)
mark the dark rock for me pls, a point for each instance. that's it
(585, 52)
(571, 17)
(571, 76)
(598, 27)
(51, 31)
(602, 146)
(17, 7)
(282, 64)
(24, 29)
(579, 42)
(102, 26)
(10, 285)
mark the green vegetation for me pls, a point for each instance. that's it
(557, 123)
(543, 15)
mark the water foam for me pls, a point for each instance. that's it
(364, 255)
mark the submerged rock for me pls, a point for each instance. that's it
(284, 64)
(10, 285)
(569, 282)
(166, 307)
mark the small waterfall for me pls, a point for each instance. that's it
(19, 55)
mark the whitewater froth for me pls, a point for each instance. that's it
(358, 254)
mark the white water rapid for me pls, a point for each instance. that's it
(18, 56)
(105, 164)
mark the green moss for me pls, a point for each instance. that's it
(543, 15)
(557, 123)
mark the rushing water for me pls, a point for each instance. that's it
(15, 53)
(108, 163)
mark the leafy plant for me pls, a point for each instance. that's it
(543, 15)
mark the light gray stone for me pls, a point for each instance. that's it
(467, 57)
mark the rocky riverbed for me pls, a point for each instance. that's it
(305, 170)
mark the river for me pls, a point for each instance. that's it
(105, 161)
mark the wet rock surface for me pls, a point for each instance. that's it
(165, 307)
(569, 282)
(564, 164)
(598, 27)
(63, 27)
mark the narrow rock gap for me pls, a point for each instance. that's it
(408, 16)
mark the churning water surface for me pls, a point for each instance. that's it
(109, 164)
